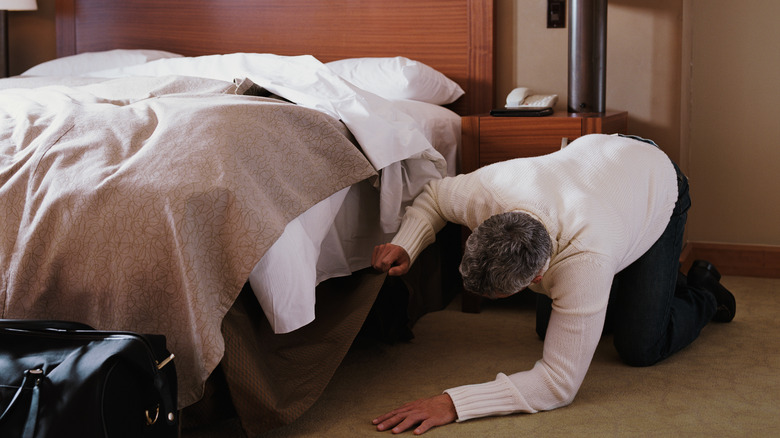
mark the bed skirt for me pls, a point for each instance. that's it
(268, 380)
(273, 379)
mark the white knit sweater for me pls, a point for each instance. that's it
(604, 200)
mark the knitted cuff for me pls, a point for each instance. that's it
(499, 397)
(413, 236)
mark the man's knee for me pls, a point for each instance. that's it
(636, 354)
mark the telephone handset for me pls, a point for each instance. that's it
(516, 97)
(521, 102)
(522, 97)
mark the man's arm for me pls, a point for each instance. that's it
(580, 288)
(421, 221)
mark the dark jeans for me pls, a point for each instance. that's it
(652, 311)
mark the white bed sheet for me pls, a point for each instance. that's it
(336, 237)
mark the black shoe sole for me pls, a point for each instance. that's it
(700, 268)
(703, 274)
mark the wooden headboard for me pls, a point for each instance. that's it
(453, 36)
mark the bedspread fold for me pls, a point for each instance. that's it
(145, 207)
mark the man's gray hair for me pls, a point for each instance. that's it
(504, 254)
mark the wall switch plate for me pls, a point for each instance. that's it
(556, 14)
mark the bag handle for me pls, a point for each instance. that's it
(35, 377)
(42, 324)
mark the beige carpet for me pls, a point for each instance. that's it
(727, 384)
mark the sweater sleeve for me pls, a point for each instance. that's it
(421, 221)
(461, 199)
(579, 287)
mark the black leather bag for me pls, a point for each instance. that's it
(64, 379)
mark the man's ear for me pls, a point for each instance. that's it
(536, 279)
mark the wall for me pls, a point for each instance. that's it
(735, 132)
(698, 76)
(643, 61)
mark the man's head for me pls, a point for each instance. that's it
(504, 254)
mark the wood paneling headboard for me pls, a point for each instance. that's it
(453, 36)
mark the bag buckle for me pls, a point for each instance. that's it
(149, 420)
(165, 361)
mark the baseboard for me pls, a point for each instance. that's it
(733, 259)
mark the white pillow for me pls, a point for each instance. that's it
(398, 78)
(440, 126)
(76, 65)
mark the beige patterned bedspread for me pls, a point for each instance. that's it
(143, 204)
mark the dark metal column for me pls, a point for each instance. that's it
(587, 56)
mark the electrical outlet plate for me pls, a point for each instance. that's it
(556, 14)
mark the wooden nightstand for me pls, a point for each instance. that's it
(487, 139)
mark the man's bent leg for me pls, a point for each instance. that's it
(653, 314)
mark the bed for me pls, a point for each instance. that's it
(250, 256)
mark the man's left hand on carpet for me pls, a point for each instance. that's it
(427, 412)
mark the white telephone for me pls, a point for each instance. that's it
(522, 97)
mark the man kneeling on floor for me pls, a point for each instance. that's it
(596, 228)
